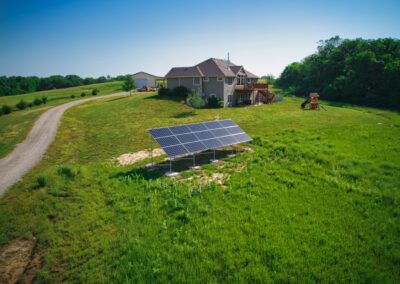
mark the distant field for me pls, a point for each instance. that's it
(62, 94)
(15, 126)
(317, 200)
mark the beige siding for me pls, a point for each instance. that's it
(229, 90)
(213, 87)
(185, 82)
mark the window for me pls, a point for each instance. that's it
(220, 79)
(196, 81)
(205, 79)
(249, 81)
(229, 80)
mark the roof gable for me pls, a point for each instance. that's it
(212, 67)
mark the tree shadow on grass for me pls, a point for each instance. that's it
(165, 98)
(179, 165)
(116, 99)
(184, 114)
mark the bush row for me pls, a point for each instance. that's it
(193, 99)
(6, 109)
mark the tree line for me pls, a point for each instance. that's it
(15, 85)
(357, 71)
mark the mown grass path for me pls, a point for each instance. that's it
(28, 153)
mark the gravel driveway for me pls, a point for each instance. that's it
(28, 153)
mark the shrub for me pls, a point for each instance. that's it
(44, 100)
(83, 94)
(180, 91)
(72, 96)
(214, 102)
(1, 111)
(41, 181)
(65, 172)
(37, 101)
(30, 104)
(164, 92)
(95, 91)
(21, 105)
(6, 109)
(195, 100)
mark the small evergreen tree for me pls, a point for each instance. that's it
(6, 109)
(21, 105)
(195, 100)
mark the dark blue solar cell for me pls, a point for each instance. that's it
(167, 141)
(160, 132)
(197, 127)
(212, 124)
(185, 138)
(176, 150)
(243, 137)
(195, 147)
(227, 123)
(204, 135)
(181, 129)
(235, 130)
(212, 143)
(219, 132)
(228, 140)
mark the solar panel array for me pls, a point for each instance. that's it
(194, 138)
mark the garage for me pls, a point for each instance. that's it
(144, 79)
(140, 83)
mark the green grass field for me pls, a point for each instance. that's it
(317, 200)
(15, 126)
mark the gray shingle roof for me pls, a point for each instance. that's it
(209, 68)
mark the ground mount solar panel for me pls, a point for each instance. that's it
(194, 138)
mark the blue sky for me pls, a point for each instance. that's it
(94, 38)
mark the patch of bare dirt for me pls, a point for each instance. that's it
(204, 179)
(132, 158)
(19, 262)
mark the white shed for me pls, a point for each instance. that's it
(143, 79)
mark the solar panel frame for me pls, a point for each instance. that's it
(186, 138)
(167, 141)
(192, 138)
(180, 129)
(212, 125)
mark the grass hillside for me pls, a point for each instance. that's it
(15, 126)
(315, 200)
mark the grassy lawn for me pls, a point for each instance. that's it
(15, 126)
(317, 200)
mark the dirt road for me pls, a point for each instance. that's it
(28, 153)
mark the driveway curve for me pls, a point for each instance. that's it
(28, 153)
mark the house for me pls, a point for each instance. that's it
(231, 83)
(144, 79)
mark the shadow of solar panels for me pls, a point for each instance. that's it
(197, 137)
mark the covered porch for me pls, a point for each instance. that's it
(251, 94)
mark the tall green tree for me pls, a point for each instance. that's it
(129, 84)
(357, 71)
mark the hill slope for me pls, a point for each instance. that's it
(15, 126)
(316, 199)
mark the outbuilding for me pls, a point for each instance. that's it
(144, 79)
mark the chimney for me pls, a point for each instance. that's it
(229, 63)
